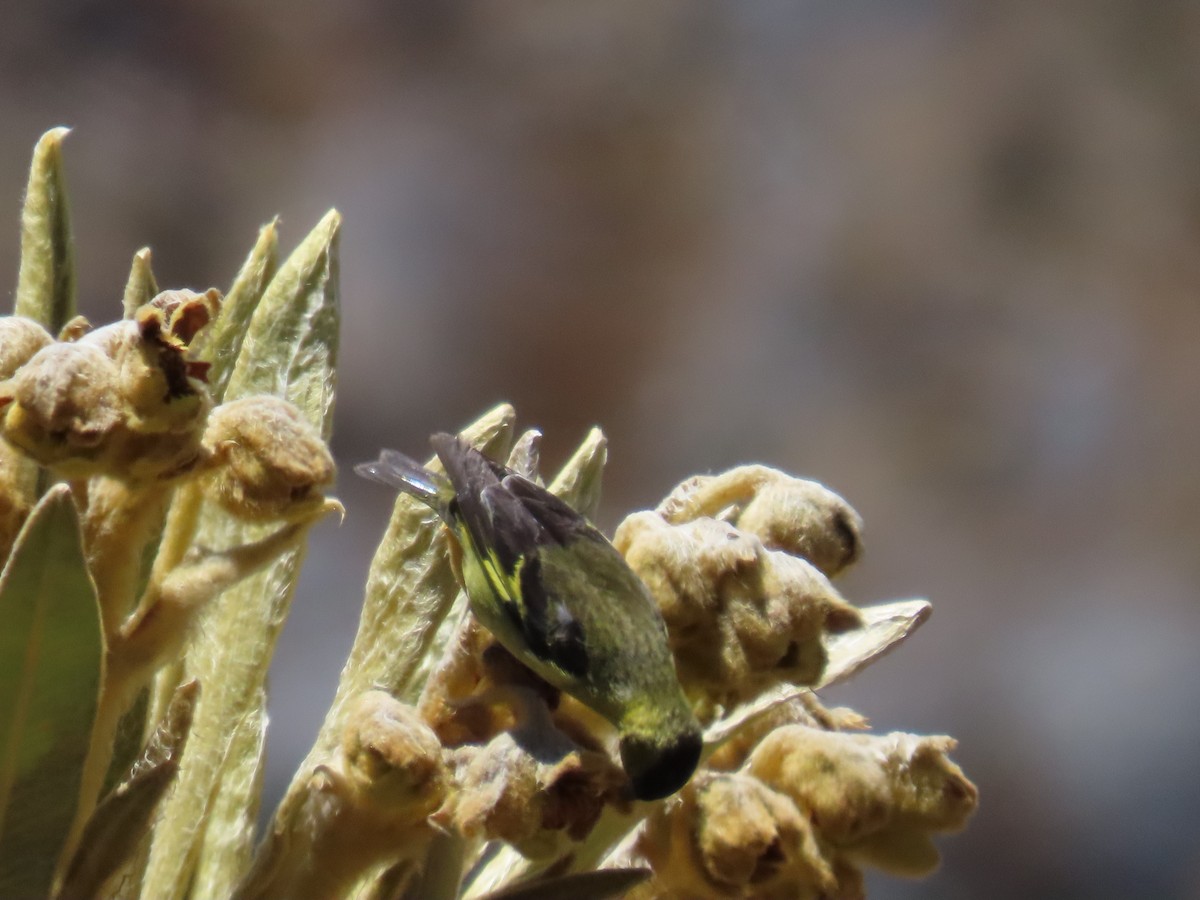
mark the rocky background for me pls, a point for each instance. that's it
(939, 256)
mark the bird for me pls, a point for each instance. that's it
(561, 599)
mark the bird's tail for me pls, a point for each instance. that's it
(406, 474)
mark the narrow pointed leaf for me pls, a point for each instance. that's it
(884, 627)
(290, 350)
(141, 287)
(46, 281)
(525, 457)
(122, 820)
(50, 672)
(221, 342)
(578, 482)
(226, 853)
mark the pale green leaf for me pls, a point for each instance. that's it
(50, 672)
(121, 822)
(141, 287)
(578, 482)
(290, 347)
(525, 456)
(226, 852)
(290, 350)
(46, 280)
(221, 341)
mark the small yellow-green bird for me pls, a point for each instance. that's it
(562, 600)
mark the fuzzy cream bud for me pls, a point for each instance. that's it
(877, 799)
(799, 517)
(266, 460)
(741, 618)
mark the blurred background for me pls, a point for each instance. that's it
(939, 256)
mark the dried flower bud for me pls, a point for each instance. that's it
(183, 313)
(123, 400)
(875, 798)
(930, 790)
(740, 617)
(532, 784)
(498, 796)
(731, 836)
(799, 517)
(367, 807)
(267, 461)
(65, 408)
(20, 339)
(74, 329)
(802, 708)
(392, 758)
(163, 389)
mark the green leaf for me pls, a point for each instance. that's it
(51, 656)
(141, 287)
(227, 851)
(290, 347)
(121, 822)
(46, 281)
(578, 482)
(221, 341)
(290, 350)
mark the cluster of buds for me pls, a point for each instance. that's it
(740, 566)
(123, 400)
(792, 806)
(790, 801)
(124, 414)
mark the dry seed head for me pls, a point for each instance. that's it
(531, 785)
(392, 759)
(163, 389)
(838, 779)
(65, 408)
(729, 835)
(802, 709)
(791, 514)
(183, 313)
(267, 461)
(20, 339)
(807, 520)
(930, 790)
(875, 798)
(498, 796)
(123, 400)
(740, 618)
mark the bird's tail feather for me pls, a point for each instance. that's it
(406, 474)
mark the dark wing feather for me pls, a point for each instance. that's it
(494, 522)
(551, 630)
(558, 520)
(515, 521)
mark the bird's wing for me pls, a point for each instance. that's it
(512, 523)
